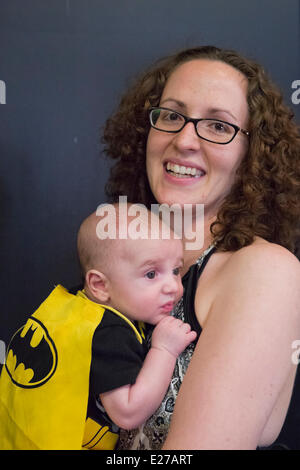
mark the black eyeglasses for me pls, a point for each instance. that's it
(212, 130)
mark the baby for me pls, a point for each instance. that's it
(79, 368)
(141, 280)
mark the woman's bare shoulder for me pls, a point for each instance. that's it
(260, 255)
(245, 273)
(263, 270)
(261, 247)
(264, 259)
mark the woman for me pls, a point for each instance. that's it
(239, 156)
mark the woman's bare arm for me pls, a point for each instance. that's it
(243, 357)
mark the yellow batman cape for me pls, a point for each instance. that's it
(44, 385)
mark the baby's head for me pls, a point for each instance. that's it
(138, 277)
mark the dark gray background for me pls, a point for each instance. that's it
(65, 65)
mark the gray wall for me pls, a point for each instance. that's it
(64, 65)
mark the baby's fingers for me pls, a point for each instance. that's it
(191, 335)
(185, 327)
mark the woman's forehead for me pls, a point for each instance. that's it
(202, 68)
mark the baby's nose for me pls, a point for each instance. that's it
(170, 285)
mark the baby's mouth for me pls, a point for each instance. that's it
(168, 306)
(181, 171)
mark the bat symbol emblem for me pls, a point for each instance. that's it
(31, 356)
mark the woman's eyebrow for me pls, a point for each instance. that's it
(173, 100)
(181, 104)
(220, 110)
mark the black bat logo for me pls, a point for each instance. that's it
(31, 356)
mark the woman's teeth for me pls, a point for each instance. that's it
(183, 171)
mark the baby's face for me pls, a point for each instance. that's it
(145, 281)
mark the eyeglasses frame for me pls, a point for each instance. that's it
(195, 122)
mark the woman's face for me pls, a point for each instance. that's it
(199, 89)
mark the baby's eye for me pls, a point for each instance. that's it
(176, 271)
(150, 275)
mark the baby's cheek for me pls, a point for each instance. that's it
(180, 291)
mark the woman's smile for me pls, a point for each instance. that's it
(183, 171)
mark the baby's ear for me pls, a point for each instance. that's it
(98, 285)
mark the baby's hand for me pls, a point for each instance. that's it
(172, 335)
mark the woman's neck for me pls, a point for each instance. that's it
(194, 243)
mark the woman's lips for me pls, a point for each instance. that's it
(183, 171)
(182, 174)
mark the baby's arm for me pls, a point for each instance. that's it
(130, 405)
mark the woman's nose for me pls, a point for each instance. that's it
(187, 138)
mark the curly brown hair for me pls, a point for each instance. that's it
(264, 200)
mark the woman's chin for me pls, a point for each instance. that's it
(178, 200)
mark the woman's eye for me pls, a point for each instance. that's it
(173, 116)
(176, 271)
(220, 127)
(150, 275)
(170, 116)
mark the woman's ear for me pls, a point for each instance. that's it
(98, 285)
